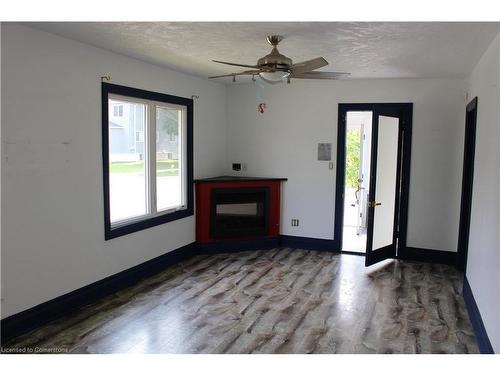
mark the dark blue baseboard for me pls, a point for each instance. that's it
(310, 243)
(428, 255)
(46, 312)
(477, 322)
(229, 246)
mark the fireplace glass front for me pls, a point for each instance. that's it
(239, 212)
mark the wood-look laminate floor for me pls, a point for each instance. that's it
(273, 301)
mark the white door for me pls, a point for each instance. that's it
(381, 234)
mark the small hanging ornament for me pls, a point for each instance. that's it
(261, 103)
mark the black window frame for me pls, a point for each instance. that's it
(148, 222)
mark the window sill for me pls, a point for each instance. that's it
(122, 230)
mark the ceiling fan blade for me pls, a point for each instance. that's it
(234, 64)
(246, 72)
(307, 66)
(319, 75)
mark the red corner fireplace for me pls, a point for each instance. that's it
(237, 208)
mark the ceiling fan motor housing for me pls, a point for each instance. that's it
(275, 60)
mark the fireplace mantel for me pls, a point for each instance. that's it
(238, 179)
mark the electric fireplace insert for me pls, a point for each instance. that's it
(239, 212)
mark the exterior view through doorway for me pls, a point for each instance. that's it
(373, 171)
(357, 178)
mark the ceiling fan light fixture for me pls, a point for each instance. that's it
(275, 76)
(275, 67)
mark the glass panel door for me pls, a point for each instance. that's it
(381, 236)
(385, 185)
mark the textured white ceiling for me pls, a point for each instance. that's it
(367, 50)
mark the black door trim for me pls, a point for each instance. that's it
(406, 113)
(467, 183)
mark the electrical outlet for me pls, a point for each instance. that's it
(295, 222)
(239, 167)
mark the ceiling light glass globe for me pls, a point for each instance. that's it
(274, 76)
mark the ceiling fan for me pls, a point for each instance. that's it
(275, 67)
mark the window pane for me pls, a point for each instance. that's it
(127, 171)
(168, 158)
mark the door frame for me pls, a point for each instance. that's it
(467, 184)
(404, 147)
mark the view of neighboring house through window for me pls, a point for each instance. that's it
(146, 152)
(127, 177)
(169, 133)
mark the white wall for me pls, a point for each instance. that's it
(53, 239)
(283, 142)
(483, 264)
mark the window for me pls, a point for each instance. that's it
(139, 136)
(148, 178)
(118, 111)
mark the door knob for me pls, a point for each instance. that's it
(372, 204)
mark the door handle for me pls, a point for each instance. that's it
(372, 204)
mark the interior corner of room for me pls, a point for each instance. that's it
(397, 165)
